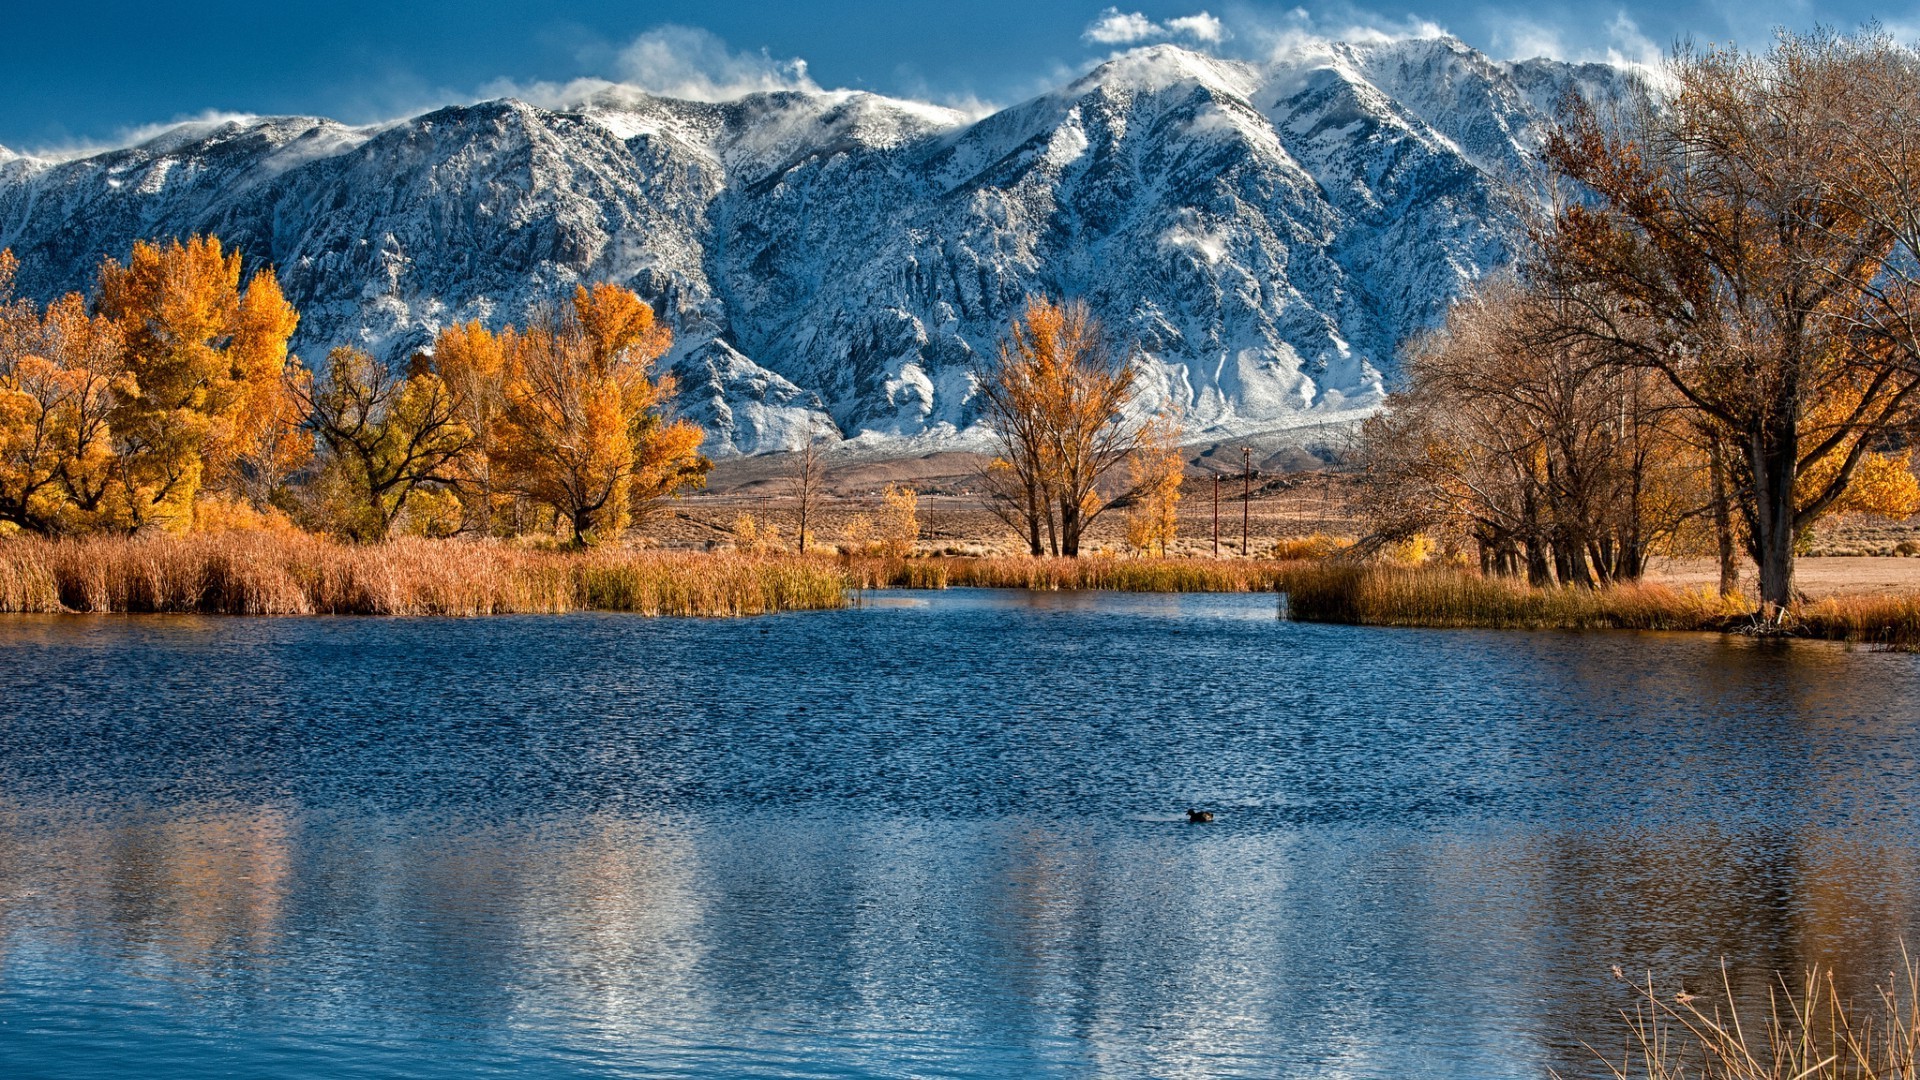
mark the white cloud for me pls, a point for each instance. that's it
(687, 62)
(1301, 30)
(1115, 27)
(1618, 43)
(1199, 27)
(669, 61)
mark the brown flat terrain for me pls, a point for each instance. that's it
(1815, 576)
(955, 518)
(1291, 499)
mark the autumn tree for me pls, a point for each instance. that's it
(1533, 446)
(584, 426)
(476, 365)
(58, 370)
(206, 376)
(1156, 470)
(807, 473)
(899, 524)
(389, 436)
(1054, 400)
(1749, 238)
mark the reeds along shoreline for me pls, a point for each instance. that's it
(287, 573)
(268, 573)
(1377, 595)
(1808, 1032)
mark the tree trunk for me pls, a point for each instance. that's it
(1723, 519)
(1033, 522)
(1774, 453)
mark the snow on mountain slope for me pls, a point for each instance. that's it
(1266, 235)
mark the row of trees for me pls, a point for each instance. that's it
(1717, 332)
(172, 390)
(171, 393)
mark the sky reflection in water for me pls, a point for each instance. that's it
(940, 835)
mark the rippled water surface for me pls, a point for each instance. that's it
(937, 835)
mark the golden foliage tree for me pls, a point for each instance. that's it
(899, 524)
(58, 373)
(580, 422)
(390, 437)
(1156, 469)
(475, 363)
(1055, 401)
(206, 368)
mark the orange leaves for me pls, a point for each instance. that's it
(210, 386)
(569, 414)
(1055, 400)
(1156, 469)
(59, 375)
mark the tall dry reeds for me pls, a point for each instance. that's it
(1385, 595)
(277, 573)
(1050, 575)
(1812, 1033)
(1893, 621)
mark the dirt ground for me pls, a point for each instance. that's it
(1816, 576)
(955, 518)
(1291, 499)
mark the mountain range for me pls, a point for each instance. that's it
(1263, 235)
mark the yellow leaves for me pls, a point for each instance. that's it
(207, 362)
(617, 323)
(899, 525)
(1055, 401)
(1156, 470)
(1882, 484)
(568, 414)
(750, 536)
(220, 513)
(58, 376)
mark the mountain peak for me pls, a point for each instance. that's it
(1265, 235)
(1157, 67)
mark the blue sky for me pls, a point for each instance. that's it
(76, 75)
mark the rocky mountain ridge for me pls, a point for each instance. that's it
(1265, 235)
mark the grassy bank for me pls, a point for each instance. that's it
(1050, 575)
(281, 573)
(1376, 595)
(261, 573)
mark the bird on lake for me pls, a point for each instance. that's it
(1199, 817)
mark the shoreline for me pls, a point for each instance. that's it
(277, 573)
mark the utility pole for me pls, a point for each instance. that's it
(1216, 513)
(1246, 497)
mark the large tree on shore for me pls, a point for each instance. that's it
(389, 435)
(574, 416)
(1751, 237)
(1055, 401)
(207, 376)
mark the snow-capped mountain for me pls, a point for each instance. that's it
(1265, 234)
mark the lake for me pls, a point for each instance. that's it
(935, 835)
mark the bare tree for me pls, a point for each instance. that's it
(807, 473)
(1749, 238)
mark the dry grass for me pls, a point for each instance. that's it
(265, 573)
(1381, 595)
(1809, 1034)
(1385, 595)
(1893, 621)
(1052, 575)
(285, 573)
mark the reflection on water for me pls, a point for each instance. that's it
(934, 838)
